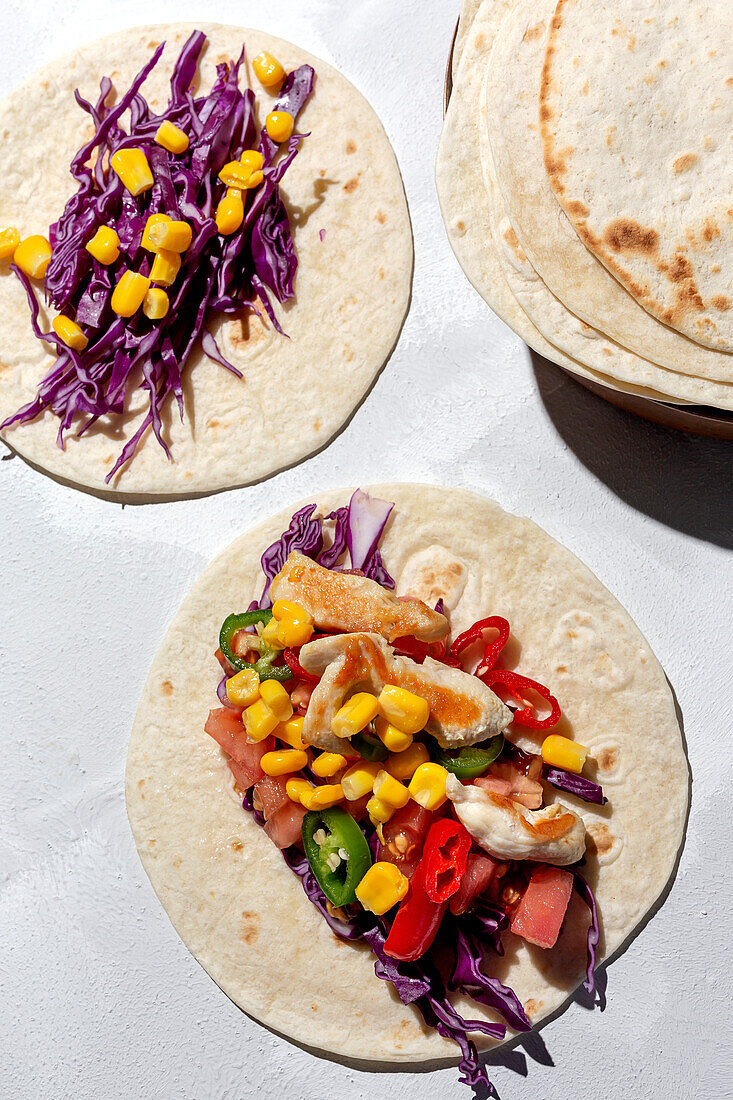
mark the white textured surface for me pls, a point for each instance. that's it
(98, 998)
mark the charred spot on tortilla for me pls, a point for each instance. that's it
(434, 574)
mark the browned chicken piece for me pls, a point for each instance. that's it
(343, 601)
(462, 709)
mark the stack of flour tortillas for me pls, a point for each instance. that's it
(585, 175)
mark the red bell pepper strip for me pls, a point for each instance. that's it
(416, 922)
(444, 858)
(291, 660)
(475, 633)
(517, 686)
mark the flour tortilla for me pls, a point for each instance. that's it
(226, 888)
(555, 251)
(352, 286)
(509, 105)
(637, 114)
(469, 11)
(465, 202)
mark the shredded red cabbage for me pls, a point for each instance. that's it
(217, 273)
(467, 977)
(594, 930)
(574, 784)
(305, 534)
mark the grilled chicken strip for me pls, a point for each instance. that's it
(462, 709)
(507, 830)
(343, 601)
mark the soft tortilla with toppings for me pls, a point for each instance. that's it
(467, 804)
(196, 356)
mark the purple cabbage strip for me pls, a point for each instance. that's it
(594, 930)
(467, 977)
(367, 519)
(337, 549)
(574, 784)
(217, 273)
(305, 534)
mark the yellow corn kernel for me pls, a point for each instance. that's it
(359, 779)
(68, 331)
(379, 811)
(402, 709)
(171, 236)
(390, 790)
(356, 713)
(131, 165)
(104, 245)
(561, 752)
(129, 294)
(243, 688)
(259, 721)
(279, 125)
(392, 738)
(32, 256)
(156, 304)
(382, 887)
(235, 175)
(9, 241)
(328, 764)
(291, 732)
(277, 699)
(171, 137)
(252, 159)
(297, 789)
(294, 632)
(284, 609)
(268, 70)
(230, 212)
(166, 266)
(321, 798)
(403, 765)
(283, 762)
(153, 220)
(427, 786)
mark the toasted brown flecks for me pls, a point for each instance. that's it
(561, 670)
(348, 354)
(316, 425)
(381, 273)
(607, 759)
(532, 33)
(381, 217)
(585, 89)
(213, 423)
(461, 227)
(351, 185)
(721, 302)
(729, 82)
(601, 838)
(250, 927)
(578, 208)
(710, 230)
(532, 1007)
(236, 846)
(314, 1008)
(108, 460)
(141, 783)
(683, 162)
(545, 113)
(350, 147)
(249, 330)
(166, 687)
(715, 270)
(154, 46)
(479, 41)
(626, 235)
(610, 136)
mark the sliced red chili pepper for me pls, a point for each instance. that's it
(444, 858)
(291, 660)
(475, 634)
(416, 922)
(418, 651)
(518, 686)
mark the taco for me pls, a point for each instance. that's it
(438, 738)
(214, 271)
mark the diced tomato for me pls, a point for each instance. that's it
(494, 785)
(271, 795)
(524, 788)
(285, 827)
(405, 831)
(478, 876)
(225, 666)
(300, 697)
(244, 774)
(225, 726)
(541, 911)
(357, 808)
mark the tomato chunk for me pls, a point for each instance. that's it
(225, 726)
(271, 794)
(285, 827)
(478, 876)
(540, 913)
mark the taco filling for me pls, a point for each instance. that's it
(177, 216)
(380, 753)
